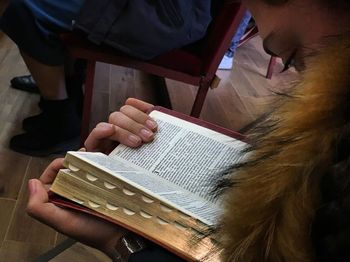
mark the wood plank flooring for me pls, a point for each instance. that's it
(243, 95)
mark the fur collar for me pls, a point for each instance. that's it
(270, 207)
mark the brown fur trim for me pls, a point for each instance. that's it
(270, 209)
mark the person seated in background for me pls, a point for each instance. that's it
(143, 29)
(289, 200)
(245, 25)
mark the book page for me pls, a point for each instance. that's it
(188, 155)
(153, 185)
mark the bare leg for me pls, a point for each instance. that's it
(49, 79)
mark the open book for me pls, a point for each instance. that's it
(162, 190)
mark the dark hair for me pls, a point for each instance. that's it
(331, 225)
(275, 2)
(338, 4)
(328, 3)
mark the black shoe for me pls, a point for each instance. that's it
(58, 132)
(32, 123)
(25, 83)
(75, 92)
(40, 144)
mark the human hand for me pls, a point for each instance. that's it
(131, 126)
(85, 228)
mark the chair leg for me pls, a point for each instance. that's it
(272, 64)
(89, 85)
(200, 97)
(162, 94)
(253, 32)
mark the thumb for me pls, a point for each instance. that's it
(100, 132)
(37, 191)
(39, 208)
(37, 197)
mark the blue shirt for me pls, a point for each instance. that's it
(54, 13)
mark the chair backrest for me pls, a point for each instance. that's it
(227, 16)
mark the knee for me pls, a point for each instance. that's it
(17, 3)
(15, 7)
(15, 12)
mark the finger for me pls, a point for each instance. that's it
(49, 174)
(100, 137)
(129, 139)
(39, 207)
(139, 117)
(101, 132)
(121, 121)
(69, 222)
(140, 105)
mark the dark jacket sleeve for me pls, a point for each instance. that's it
(145, 28)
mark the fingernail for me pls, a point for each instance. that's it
(32, 186)
(151, 124)
(134, 139)
(146, 133)
(107, 126)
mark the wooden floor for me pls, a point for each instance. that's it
(242, 96)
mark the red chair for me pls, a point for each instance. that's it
(272, 63)
(253, 32)
(195, 64)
